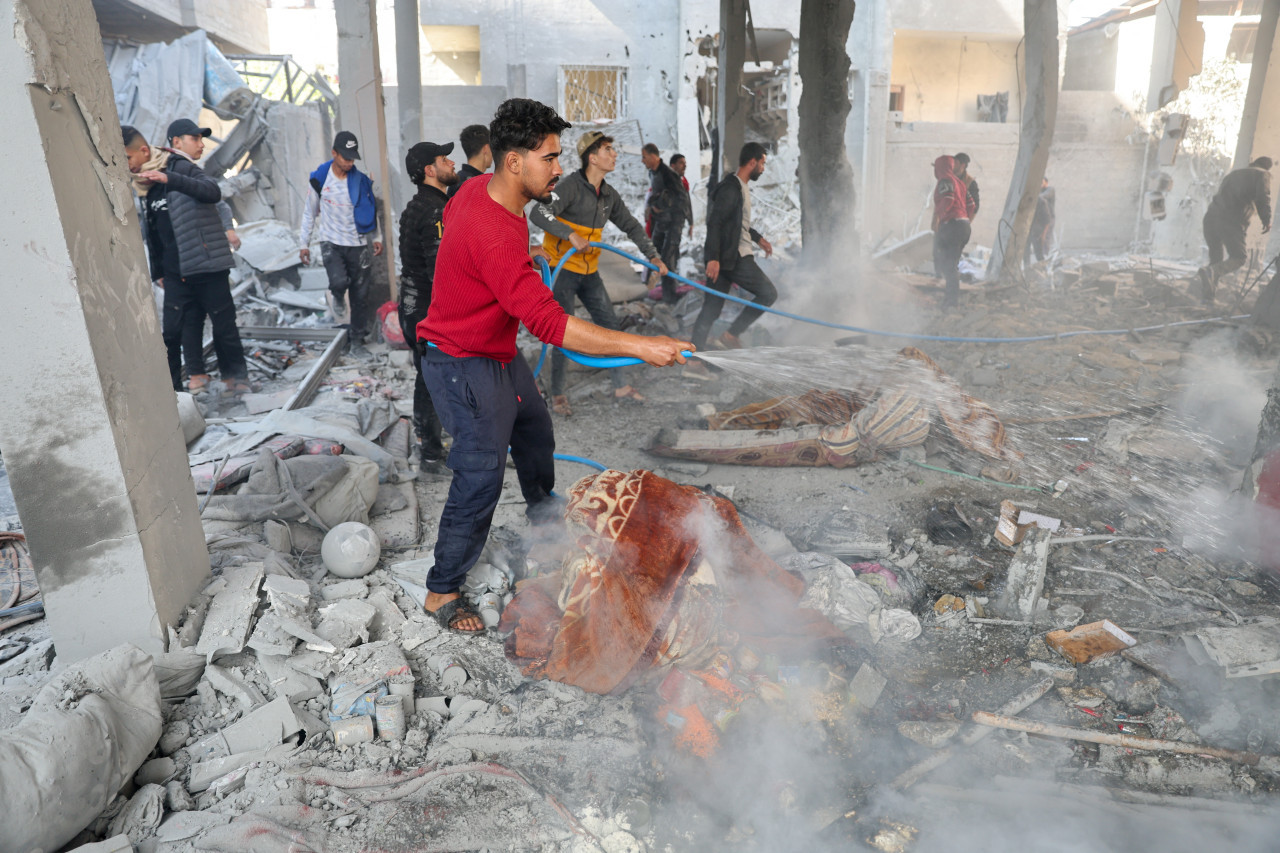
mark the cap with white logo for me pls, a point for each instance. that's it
(345, 144)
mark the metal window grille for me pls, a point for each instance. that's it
(593, 92)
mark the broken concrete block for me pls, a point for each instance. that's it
(286, 680)
(231, 685)
(345, 622)
(287, 593)
(205, 773)
(389, 617)
(174, 737)
(1243, 650)
(354, 588)
(157, 771)
(931, 734)
(1089, 642)
(268, 726)
(1013, 524)
(866, 687)
(226, 627)
(1025, 583)
(176, 798)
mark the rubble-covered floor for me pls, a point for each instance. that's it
(1138, 440)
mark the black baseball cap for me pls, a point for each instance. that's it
(345, 144)
(422, 155)
(186, 127)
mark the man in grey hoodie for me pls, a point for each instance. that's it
(580, 206)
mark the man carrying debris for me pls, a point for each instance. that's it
(575, 216)
(730, 256)
(953, 207)
(421, 227)
(344, 212)
(199, 232)
(485, 287)
(475, 144)
(1227, 220)
(669, 210)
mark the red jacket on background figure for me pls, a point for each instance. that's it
(951, 198)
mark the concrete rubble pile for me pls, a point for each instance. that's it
(1075, 643)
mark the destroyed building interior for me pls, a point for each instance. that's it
(959, 546)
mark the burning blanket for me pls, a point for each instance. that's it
(846, 428)
(661, 573)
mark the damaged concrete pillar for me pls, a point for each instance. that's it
(360, 107)
(89, 424)
(731, 106)
(1259, 72)
(408, 93)
(826, 178)
(872, 45)
(1039, 112)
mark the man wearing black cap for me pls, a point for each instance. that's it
(344, 212)
(202, 232)
(421, 227)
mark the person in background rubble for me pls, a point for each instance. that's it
(574, 217)
(669, 209)
(1227, 220)
(202, 238)
(485, 287)
(344, 212)
(475, 145)
(162, 250)
(953, 208)
(730, 256)
(421, 227)
(971, 186)
(678, 165)
(1041, 237)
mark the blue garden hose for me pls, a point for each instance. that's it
(906, 335)
(548, 278)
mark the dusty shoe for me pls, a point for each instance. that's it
(697, 370)
(728, 341)
(236, 386)
(198, 382)
(560, 406)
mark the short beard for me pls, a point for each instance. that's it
(453, 179)
(541, 199)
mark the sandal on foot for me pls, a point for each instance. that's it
(451, 613)
(560, 405)
(198, 382)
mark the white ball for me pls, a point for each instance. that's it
(350, 550)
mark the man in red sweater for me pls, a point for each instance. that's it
(485, 287)
(953, 207)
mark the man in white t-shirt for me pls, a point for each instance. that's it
(343, 212)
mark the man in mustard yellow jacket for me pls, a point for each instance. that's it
(580, 206)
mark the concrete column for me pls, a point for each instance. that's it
(1039, 114)
(1258, 73)
(872, 44)
(88, 423)
(360, 107)
(731, 109)
(408, 92)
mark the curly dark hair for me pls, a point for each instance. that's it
(521, 124)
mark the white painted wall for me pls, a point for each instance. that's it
(942, 76)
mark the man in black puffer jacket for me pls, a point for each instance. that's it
(421, 227)
(201, 229)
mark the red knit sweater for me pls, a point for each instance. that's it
(485, 285)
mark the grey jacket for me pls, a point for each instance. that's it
(578, 202)
(199, 226)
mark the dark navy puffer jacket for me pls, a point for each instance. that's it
(198, 227)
